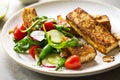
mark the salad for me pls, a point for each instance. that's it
(46, 41)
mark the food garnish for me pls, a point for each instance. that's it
(108, 58)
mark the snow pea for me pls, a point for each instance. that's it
(45, 51)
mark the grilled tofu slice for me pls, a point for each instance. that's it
(86, 52)
(28, 14)
(95, 34)
(104, 20)
(101, 19)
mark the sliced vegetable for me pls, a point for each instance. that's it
(73, 62)
(45, 63)
(61, 63)
(48, 25)
(53, 58)
(51, 61)
(45, 46)
(18, 34)
(34, 51)
(45, 51)
(55, 36)
(38, 35)
(68, 43)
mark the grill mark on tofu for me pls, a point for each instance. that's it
(104, 20)
(90, 30)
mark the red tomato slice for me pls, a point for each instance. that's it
(18, 34)
(48, 25)
(73, 62)
(33, 51)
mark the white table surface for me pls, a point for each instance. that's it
(10, 70)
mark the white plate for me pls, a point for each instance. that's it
(52, 9)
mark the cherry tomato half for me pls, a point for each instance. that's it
(33, 50)
(48, 25)
(18, 34)
(73, 62)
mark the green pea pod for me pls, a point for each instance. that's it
(60, 63)
(45, 51)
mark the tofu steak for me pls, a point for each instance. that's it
(95, 34)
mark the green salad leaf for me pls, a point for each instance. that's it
(65, 30)
(69, 43)
(23, 45)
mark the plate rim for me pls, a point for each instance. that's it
(57, 73)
